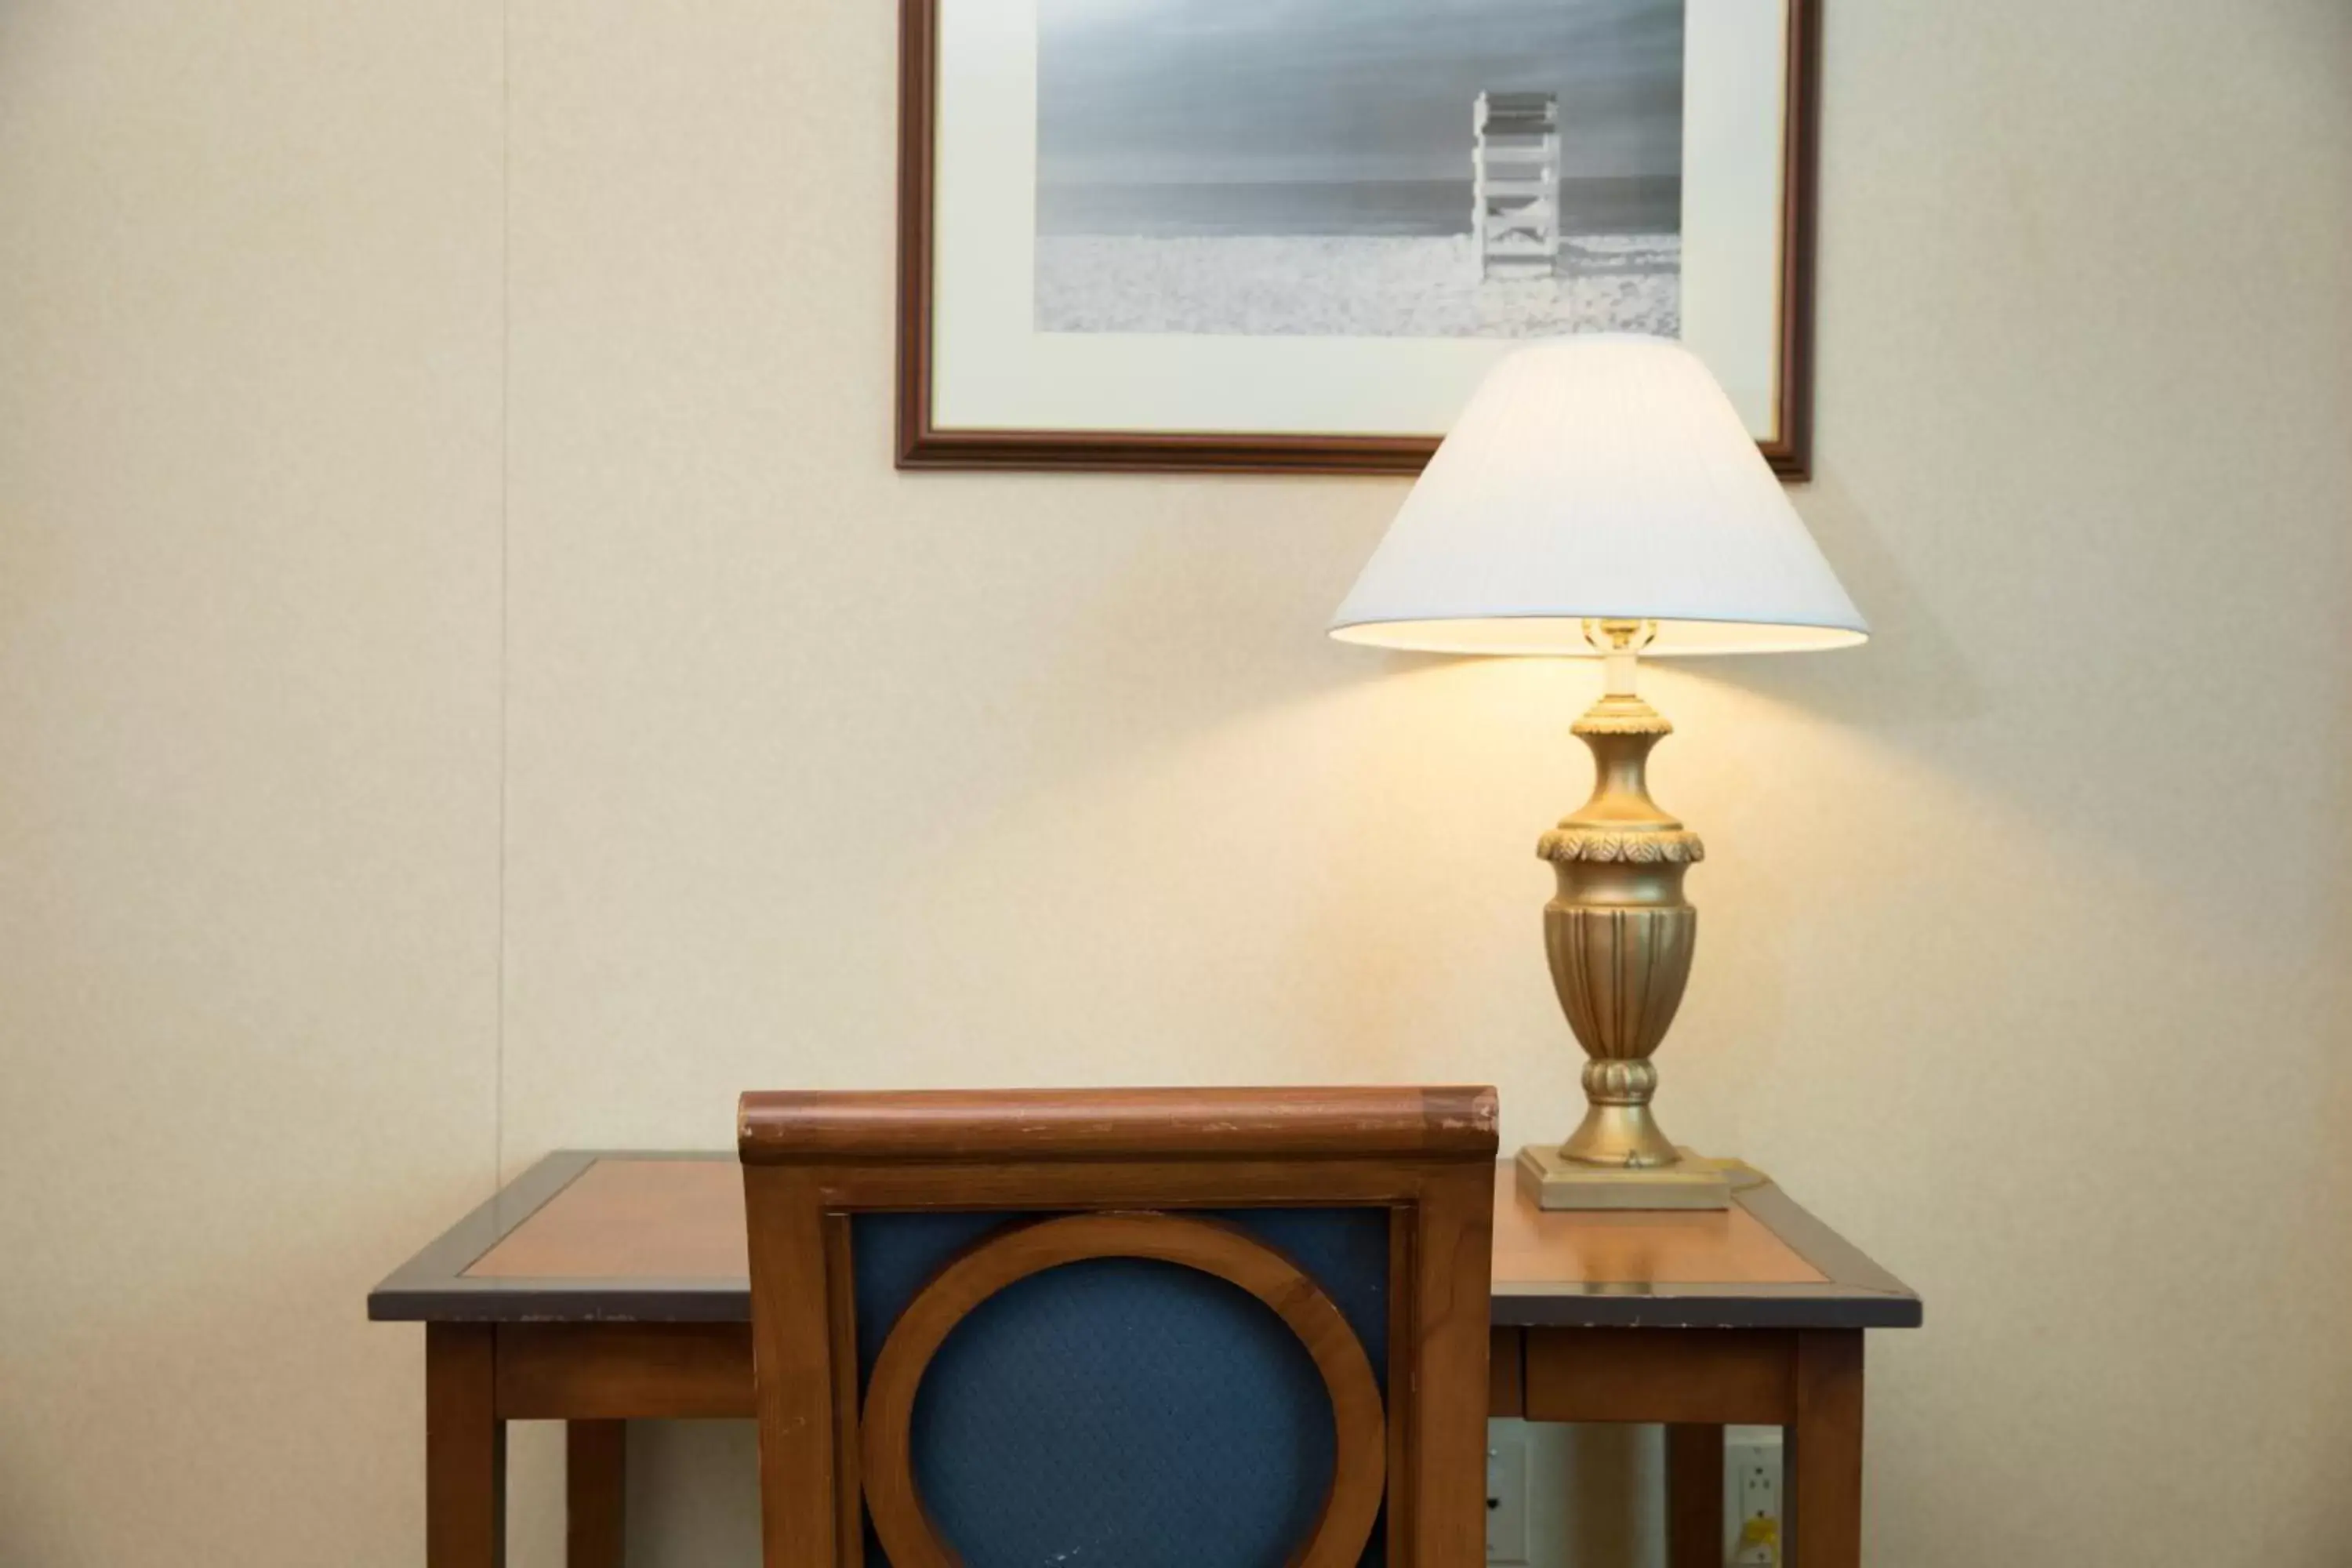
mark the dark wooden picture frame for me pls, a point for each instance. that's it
(923, 444)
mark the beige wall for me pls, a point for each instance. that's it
(471, 682)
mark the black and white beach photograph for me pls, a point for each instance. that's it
(1359, 168)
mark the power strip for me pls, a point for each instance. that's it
(1506, 1494)
(1753, 1495)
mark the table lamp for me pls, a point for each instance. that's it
(1600, 497)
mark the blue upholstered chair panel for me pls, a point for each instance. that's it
(1123, 1413)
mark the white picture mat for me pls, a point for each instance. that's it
(991, 370)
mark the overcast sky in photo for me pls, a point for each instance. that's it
(1302, 90)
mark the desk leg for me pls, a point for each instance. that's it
(595, 1488)
(1824, 1452)
(1694, 1497)
(465, 1449)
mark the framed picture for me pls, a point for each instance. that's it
(1257, 236)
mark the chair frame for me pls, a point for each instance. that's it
(812, 1160)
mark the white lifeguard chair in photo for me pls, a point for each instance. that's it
(1516, 184)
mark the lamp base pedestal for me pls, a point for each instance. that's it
(1555, 1182)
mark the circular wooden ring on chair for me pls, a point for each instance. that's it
(1359, 1460)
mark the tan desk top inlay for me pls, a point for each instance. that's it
(620, 1219)
(1725, 1247)
(683, 1219)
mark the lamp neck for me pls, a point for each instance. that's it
(1617, 671)
(1621, 729)
(1620, 644)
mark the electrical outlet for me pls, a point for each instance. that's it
(1751, 1496)
(1506, 1493)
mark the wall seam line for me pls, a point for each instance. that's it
(506, 501)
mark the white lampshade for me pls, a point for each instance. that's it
(1603, 478)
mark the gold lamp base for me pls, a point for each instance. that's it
(1619, 934)
(1557, 1182)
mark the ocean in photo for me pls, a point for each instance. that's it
(1626, 204)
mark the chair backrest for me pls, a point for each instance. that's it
(1137, 1329)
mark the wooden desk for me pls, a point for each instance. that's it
(600, 1287)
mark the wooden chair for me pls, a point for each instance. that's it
(1121, 1328)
